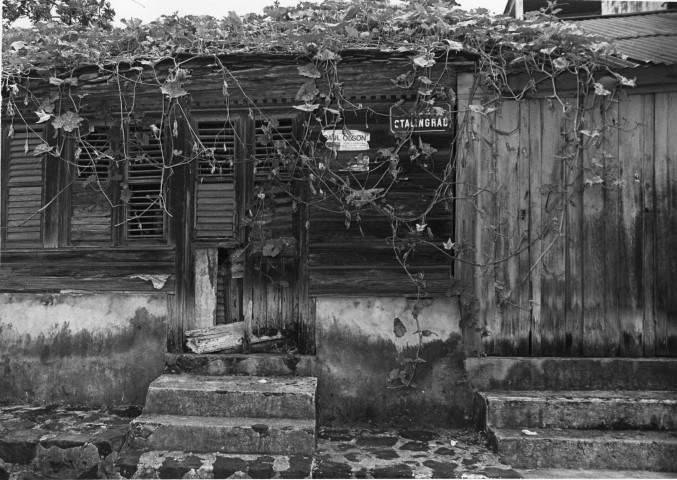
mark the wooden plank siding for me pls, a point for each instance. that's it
(600, 254)
(100, 269)
(356, 253)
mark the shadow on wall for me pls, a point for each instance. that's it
(90, 350)
(359, 346)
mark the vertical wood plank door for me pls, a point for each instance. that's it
(575, 232)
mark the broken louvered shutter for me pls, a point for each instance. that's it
(215, 188)
(24, 189)
(274, 139)
(274, 147)
(144, 213)
(91, 191)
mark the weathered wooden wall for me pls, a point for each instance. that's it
(357, 257)
(207, 208)
(570, 266)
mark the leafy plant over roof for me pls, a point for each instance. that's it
(322, 31)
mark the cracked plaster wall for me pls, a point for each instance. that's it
(80, 349)
(357, 348)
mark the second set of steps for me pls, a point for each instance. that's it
(584, 413)
(232, 414)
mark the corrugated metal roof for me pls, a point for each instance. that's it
(650, 49)
(663, 23)
(643, 38)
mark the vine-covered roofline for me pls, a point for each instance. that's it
(324, 32)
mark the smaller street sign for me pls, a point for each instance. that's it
(347, 140)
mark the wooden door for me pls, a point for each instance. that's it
(574, 253)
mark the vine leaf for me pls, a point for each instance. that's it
(69, 121)
(18, 45)
(352, 32)
(454, 45)
(398, 328)
(307, 107)
(308, 91)
(309, 70)
(424, 61)
(42, 148)
(326, 55)
(43, 117)
(560, 63)
(272, 247)
(173, 90)
(125, 194)
(594, 180)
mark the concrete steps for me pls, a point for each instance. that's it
(255, 364)
(223, 434)
(581, 409)
(588, 449)
(232, 396)
(230, 405)
(577, 423)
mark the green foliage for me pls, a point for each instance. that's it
(80, 13)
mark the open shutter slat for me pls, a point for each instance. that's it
(24, 189)
(215, 190)
(145, 214)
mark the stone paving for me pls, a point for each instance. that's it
(57, 442)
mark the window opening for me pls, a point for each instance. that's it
(215, 190)
(91, 193)
(145, 206)
(274, 139)
(24, 188)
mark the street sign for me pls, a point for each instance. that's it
(346, 140)
(433, 119)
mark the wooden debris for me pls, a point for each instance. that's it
(222, 337)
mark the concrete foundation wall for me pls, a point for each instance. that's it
(89, 349)
(357, 349)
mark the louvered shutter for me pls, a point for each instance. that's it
(275, 142)
(91, 191)
(273, 139)
(24, 189)
(144, 211)
(215, 189)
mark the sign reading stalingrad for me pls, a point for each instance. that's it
(433, 119)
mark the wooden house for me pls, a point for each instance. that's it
(194, 215)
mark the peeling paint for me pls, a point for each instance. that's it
(357, 348)
(80, 349)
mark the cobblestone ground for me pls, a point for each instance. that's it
(410, 453)
(55, 442)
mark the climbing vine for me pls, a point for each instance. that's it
(432, 34)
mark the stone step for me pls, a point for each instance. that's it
(181, 464)
(223, 435)
(587, 449)
(255, 364)
(232, 396)
(560, 373)
(578, 409)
